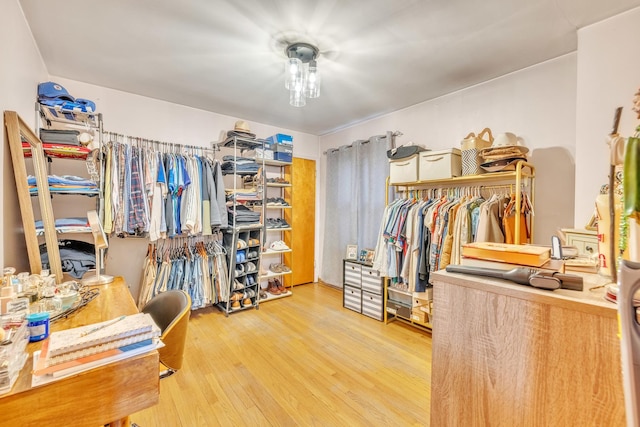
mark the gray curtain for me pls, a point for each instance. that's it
(355, 201)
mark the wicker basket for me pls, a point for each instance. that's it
(470, 147)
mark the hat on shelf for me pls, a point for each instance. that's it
(51, 90)
(241, 128)
(404, 151)
(502, 164)
(504, 146)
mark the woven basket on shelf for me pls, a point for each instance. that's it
(470, 147)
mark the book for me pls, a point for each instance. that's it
(527, 255)
(582, 264)
(92, 361)
(83, 340)
(552, 265)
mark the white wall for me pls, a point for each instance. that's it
(537, 103)
(607, 78)
(21, 69)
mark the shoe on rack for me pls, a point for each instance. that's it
(280, 287)
(254, 242)
(246, 302)
(263, 294)
(250, 280)
(252, 254)
(235, 305)
(237, 296)
(279, 245)
(241, 244)
(250, 267)
(272, 288)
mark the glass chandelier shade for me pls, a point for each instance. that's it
(302, 78)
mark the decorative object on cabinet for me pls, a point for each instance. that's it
(278, 231)
(100, 243)
(586, 241)
(352, 252)
(363, 289)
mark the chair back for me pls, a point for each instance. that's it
(171, 311)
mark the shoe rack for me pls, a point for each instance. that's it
(243, 240)
(278, 232)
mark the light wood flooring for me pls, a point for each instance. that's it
(297, 361)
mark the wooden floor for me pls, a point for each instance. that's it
(297, 361)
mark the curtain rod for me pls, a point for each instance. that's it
(364, 141)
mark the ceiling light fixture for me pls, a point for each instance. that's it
(301, 73)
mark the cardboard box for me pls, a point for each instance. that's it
(441, 164)
(282, 148)
(281, 138)
(283, 157)
(398, 309)
(263, 153)
(419, 316)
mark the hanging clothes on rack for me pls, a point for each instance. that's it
(161, 190)
(196, 267)
(426, 230)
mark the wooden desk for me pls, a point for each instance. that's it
(511, 355)
(94, 397)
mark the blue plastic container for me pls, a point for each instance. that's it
(38, 324)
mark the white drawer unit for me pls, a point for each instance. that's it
(371, 280)
(372, 305)
(585, 240)
(352, 298)
(352, 272)
(362, 289)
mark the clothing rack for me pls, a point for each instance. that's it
(166, 146)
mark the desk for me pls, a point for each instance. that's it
(512, 355)
(93, 397)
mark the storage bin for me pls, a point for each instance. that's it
(371, 280)
(281, 138)
(282, 148)
(439, 164)
(352, 299)
(419, 316)
(352, 274)
(372, 305)
(398, 309)
(471, 147)
(283, 157)
(400, 296)
(403, 170)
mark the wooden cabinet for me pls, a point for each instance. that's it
(512, 355)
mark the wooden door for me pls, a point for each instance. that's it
(303, 222)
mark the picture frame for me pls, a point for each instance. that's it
(352, 252)
(363, 255)
(370, 255)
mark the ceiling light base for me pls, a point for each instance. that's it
(305, 52)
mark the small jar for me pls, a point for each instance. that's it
(38, 324)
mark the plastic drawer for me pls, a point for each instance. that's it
(372, 305)
(352, 274)
(353, 298)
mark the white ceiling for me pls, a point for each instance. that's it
(378, 56)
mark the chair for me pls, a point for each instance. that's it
(171, 311)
